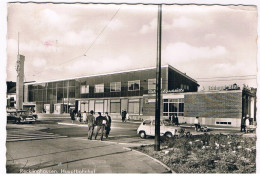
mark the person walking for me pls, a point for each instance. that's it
(72, 116)
(100, 123)
(108, 125)
(176, 120)
(79, 115)
(247, 123)
(196, 123)
(243, 125)
(123, 115)
(84, 116)
(90, 122)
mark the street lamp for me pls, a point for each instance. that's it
(158, 81)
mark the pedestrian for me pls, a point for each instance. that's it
(171, 119)
(72, 116)
(196, 123)
(243, 125)
(100, 123)
(79, 115)
(84, 116)
(123, 115)
(90, 121)
(127, 117)
(108, 125)
(176, 120)
(247, 123)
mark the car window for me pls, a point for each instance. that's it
(154, 123)
(147, 122)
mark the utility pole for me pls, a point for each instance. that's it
(158, 81)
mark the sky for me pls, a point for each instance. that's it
(209, 43)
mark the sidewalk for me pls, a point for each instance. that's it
(77, 155)
(66, 117)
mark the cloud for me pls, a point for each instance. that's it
(58, 21)
(180, 52)
(39, 62)
(183, 22)
(148, 28)
(73, 38)
(90, 66)
(113, 25)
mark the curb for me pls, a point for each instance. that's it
(156, 160)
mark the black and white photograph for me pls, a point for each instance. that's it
(95, 87)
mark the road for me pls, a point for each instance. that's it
(54, 145)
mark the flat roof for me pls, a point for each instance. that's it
(165, 66)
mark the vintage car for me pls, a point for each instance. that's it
(147, 128)
(21, 116)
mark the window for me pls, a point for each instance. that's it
(115, 86)
(152, 84)
(99, 88)
(134, 85)
(84, 89)
(225, 123)
(173, 107)
(133, 106)
(185, 87)
(99, 105)
(147, 122)
(84, 106)
(115, 106)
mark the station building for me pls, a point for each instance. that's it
(214, 108)
(134, 91)
(111, 92)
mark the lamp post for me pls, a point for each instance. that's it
(158, 81)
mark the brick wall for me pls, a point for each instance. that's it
(214, 105)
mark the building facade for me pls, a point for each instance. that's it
(214, 108)
(112, 92)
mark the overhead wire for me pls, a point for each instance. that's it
(91, 45)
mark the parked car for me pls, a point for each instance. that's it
(147, 128)
(21, 116)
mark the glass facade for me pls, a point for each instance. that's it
(108, 88)
(173, 107)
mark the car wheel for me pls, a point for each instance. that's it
(142, 134)
(168, 134)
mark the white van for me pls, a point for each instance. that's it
(147, 128)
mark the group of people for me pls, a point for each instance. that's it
(174, 120)
(101, 123)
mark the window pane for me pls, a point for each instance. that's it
(82, 89)
(115, 107)
(181, 107)
(165, 107)
(151, 84)
(173, 107)
(115, 86)
(99, 88)
(99, 107)
(134, 85)
(133, 108)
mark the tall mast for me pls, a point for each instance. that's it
(158, 80)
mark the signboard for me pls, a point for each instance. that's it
(168, 91)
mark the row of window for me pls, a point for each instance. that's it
(133, 106)
(116, 86)
(173, 107)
